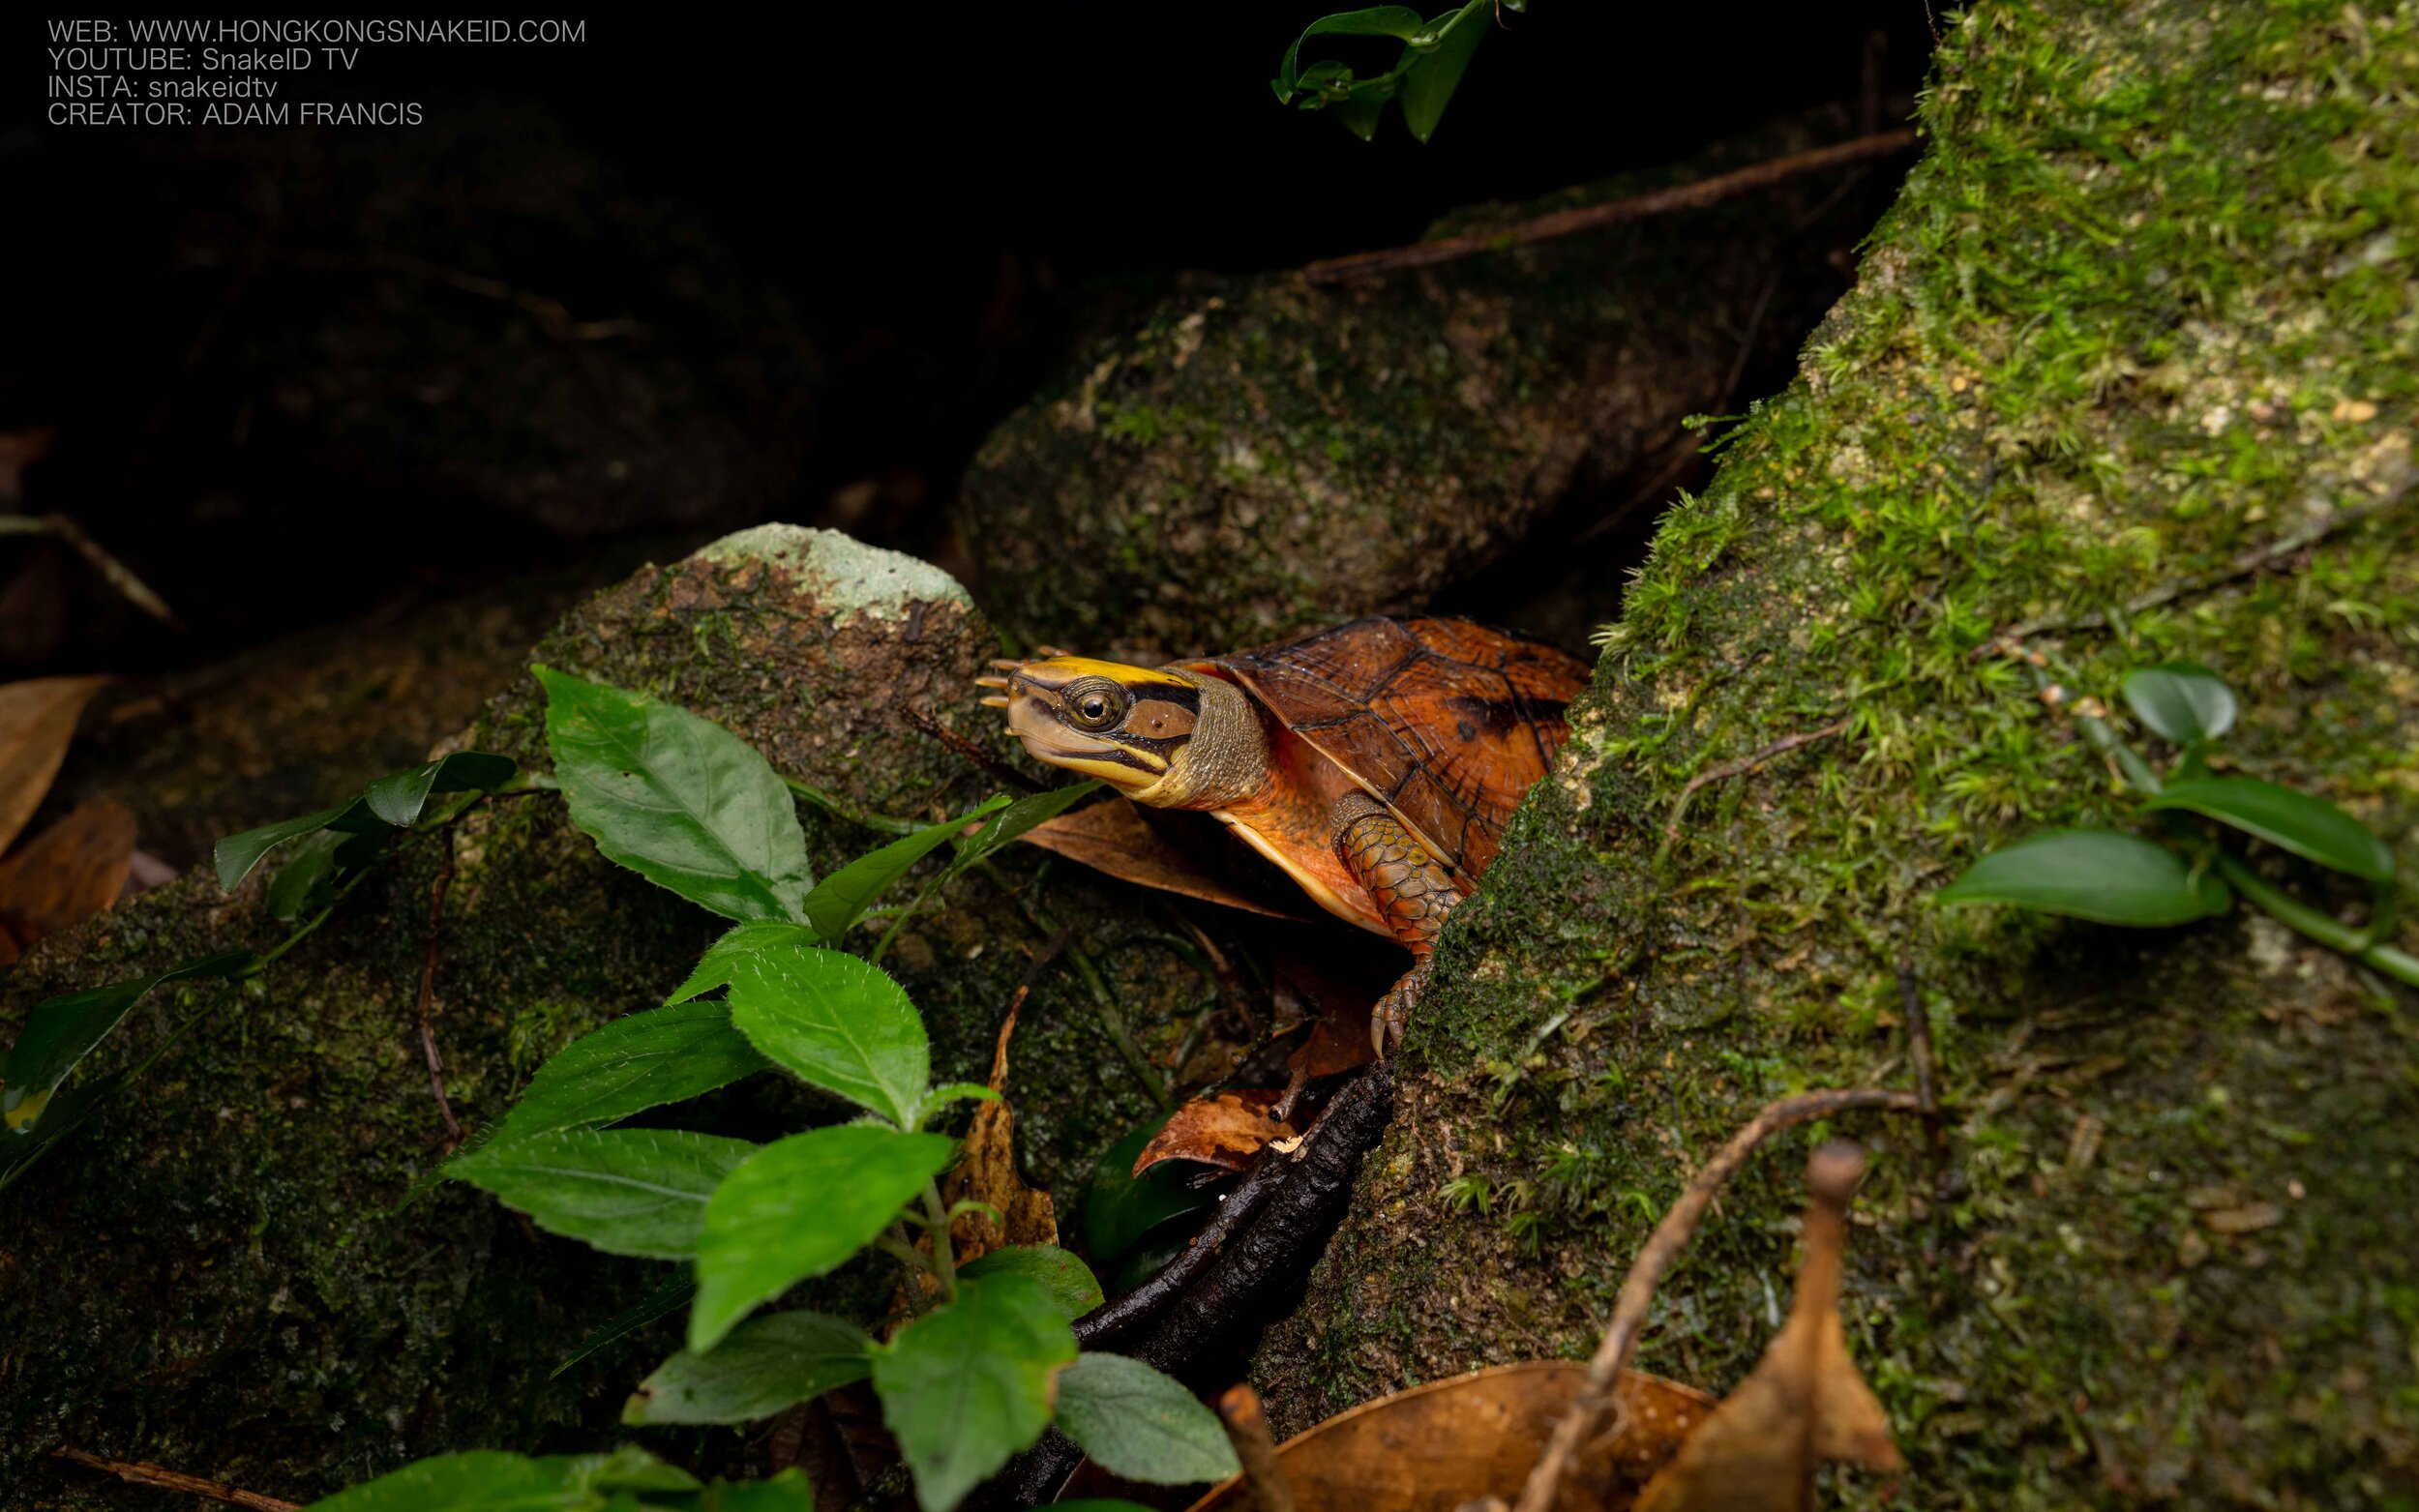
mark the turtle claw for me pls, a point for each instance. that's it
(1393, 1011)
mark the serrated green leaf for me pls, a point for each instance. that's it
(670, 1296)
(2094, 874)
(624, 1191)
(1430, 81)
(838, 900)
(837, 1022)
(398, 797)
(645, 1060)
(1139, 1424)
(1068, 1280)
(678, 799)
(2184, 702)
(800, 1207)
(2303, 823)
(491, 1480)
(1120, 1210)
(740, 943)
(767, 1363)
(967, 1386)
(61, 1032)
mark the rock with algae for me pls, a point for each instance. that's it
(208, 1277)
(2143, 319)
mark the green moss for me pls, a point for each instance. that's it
(2145, 306)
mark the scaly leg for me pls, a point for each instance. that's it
(1413, 889)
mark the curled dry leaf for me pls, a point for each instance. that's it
(64, 876)
(1805, 1403)
(37, 720)
(988, 1174)
(1115, 837)
(1437, 1446)
(1225, 1131)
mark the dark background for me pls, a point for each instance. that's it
(853, 239)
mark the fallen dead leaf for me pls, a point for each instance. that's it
(1225, 1131)
(988, 1175)
(1434, 1447)
(37, 720)
(1115, 839)
(1805, 1403)
(64, 876)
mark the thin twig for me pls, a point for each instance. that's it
(2256, 559)
(139, 1474)
(923, 718)
(428, 993)
(1238, 1408)
(116, 574)
(1591, 218)
(1919, 1043)
(1748, 763)
(1663, 1247)
(551, 314)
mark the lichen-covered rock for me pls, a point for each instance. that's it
(1261, 455)
(208, 1275)
(2146, 306)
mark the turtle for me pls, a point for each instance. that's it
(1376, 761)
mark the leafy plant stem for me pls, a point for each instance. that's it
(881, 946)
(945, 1260)
(2309, 921)
(304, 931)
(1112, 1020)
(833, 805)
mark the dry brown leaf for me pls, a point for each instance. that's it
(1804, 1404)
(66, 874)
(1434, 1447)
(37, 720)
(1113, 837)
(1225, 1131)
(988, 1175)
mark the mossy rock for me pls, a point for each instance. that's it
(2145, 310)
(1261, 455)
(208, 1275)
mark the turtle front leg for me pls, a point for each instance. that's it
(1413, 889)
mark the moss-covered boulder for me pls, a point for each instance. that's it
(1260, 455)
(208, 1276)
(2131, 367)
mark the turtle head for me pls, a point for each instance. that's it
(1160, 735)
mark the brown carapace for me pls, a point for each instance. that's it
(1375, 763)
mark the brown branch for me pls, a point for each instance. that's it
(1748, 763)
(2256, 559)
(1919, 1043)
(116, 574)
(428, 993)
(1663, 1247)
(1591, 218)
(139, 1474)
(1238, 1408)
(925, 719)
(551, 314)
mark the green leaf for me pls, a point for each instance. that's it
(300, 883)
(678, 799)
(800, 1207)
(2303, 823)
(967, 1386)
(624, 1191)
(61, 1032)
(491, 1480)
(1025, 814)
(1118, 1209)
(237, 854)
(1066, 1279)
(740, 943)
(1360, 112)
(1139, 1424)
(838, 900)
(767, 1363)
(1429, 82)
(837, 1022)
(787, 1492)
(398, 797)
(2090, 873)
(2184, 702)
(1382, 21)
(18, 1152)
(667, 1298)
(662, 1055)
(940, 1097)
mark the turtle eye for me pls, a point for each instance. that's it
(1095, 705)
